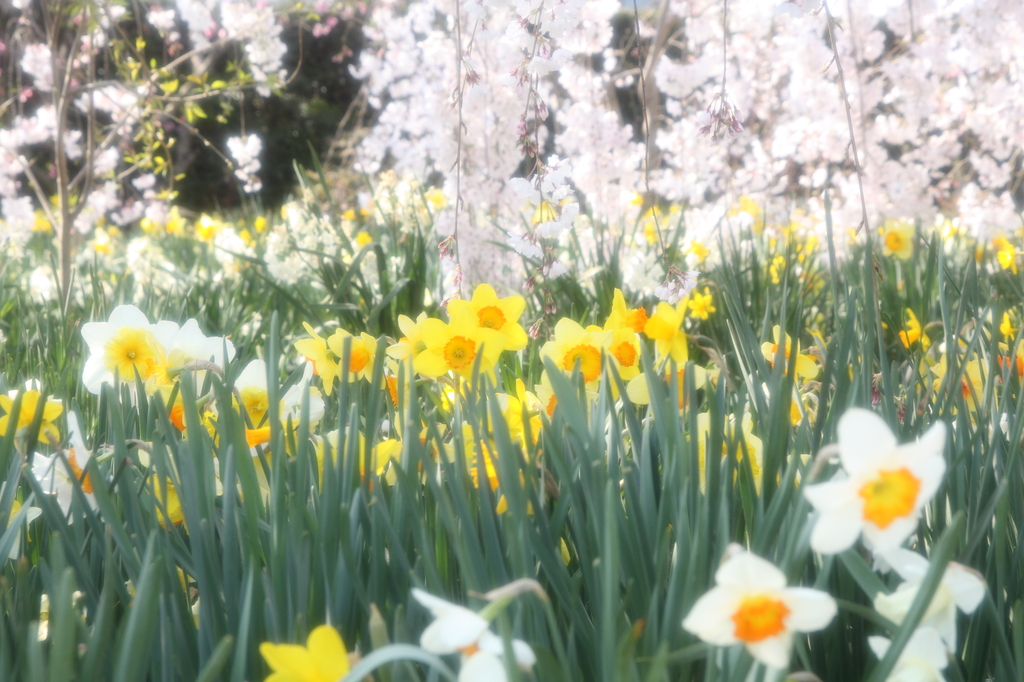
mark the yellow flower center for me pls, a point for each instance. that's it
(890, 496)
(893, 241)
(86, 483)
(131, 349)
(357, 359)
(491, 317)
(459, 352)
(759, 617)
(636, 319)
(589, 358)
(256, 403)
(625, 353)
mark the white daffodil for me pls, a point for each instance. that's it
(752, 604)
(126, 343)
(882, 489)
(457, 629)
(922, 659)
(961, 587)
(58, 479)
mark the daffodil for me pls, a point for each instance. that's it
(315, 350)
(323, 659)
(412, 344)
(457, 629)
(361, 354)
(700, 305)
(500, 314)
(960, 588)
(913, 332)
(806, 367)
(290, 408)
(1006, 327)
(251, 385)
(29, 404)
(752, 605)
(625, 348)
(189, 344)
(664, 327)
(512, 410)
(898, 239)
(454, 347)
(883, 487)
(745, 441)
(382, 454)
(57, 476)
(621, 316)
(922, 659)
(573, 345)
(972, 385)
(1006, 255)
(639, 392)
(169, 505)
(125, 345)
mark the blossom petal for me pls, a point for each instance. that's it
(328, 652)
(482, 666)
(711, 616)
(809, 610)
(748, 571)
(773, 651)
(967, 586)
(864, 441)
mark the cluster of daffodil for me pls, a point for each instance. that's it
(455, 630)
(878, 497)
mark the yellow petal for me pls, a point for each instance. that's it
(328, 652)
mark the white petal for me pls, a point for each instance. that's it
(864, 439)
(482, 667)
(97, 334)
(893, 535)
(832, 495)
(910, 565)
(164, 331)
(95, 373)
(749, 572)
(127, 316)
(254, 375)
(711, 617)
(895, 606)
(837, 530)
(967, 587)
(773, 651)
(522, 652)
(926, 645)
(809, 610)
(879, 645)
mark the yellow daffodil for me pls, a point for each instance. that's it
(412, 344)
(207, 228)
(29, 403)
(744, 438)
(639, 392)
(1006, 255)
(1006, 328)
(380, 457)
(500, 314)
(512, 411)
(665, 328)
(898, 239)
(913, 332)
(972, 385)
(169, 508)
(574, 345)
(323, 659)
(361, 354)
(316, 351)
(621, 316)
(454, 347)
(700, 305)
(806, 367)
